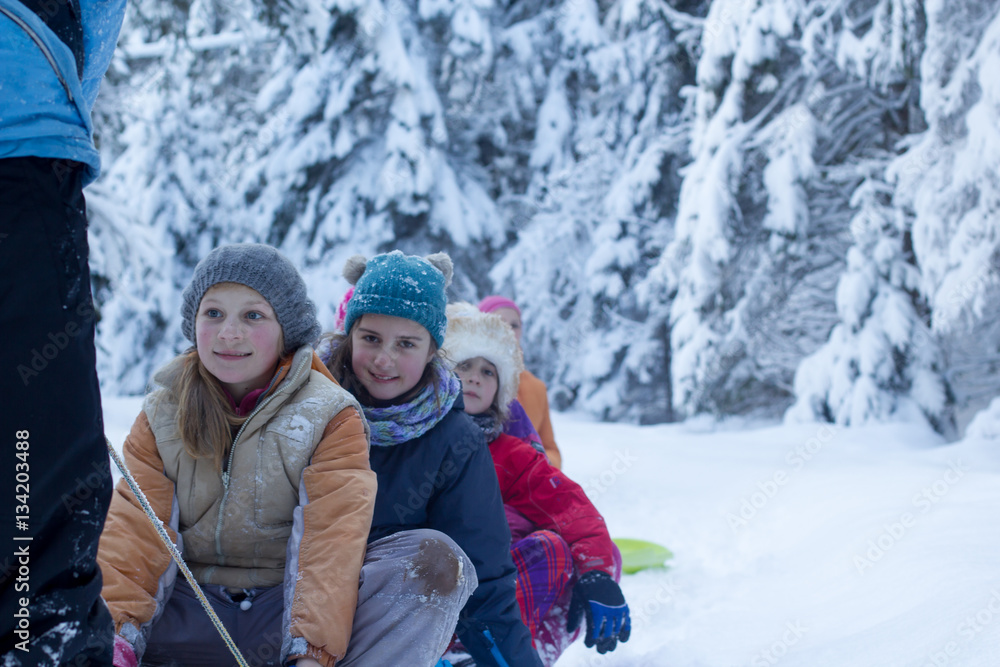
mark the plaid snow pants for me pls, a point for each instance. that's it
(545, 578)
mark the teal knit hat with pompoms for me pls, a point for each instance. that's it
(403, 286)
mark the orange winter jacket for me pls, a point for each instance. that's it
(534, 398)
(304, 446)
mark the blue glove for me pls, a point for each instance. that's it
(597, 597)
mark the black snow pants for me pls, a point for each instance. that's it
(56, 481)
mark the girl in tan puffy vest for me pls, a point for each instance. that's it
(256, 461)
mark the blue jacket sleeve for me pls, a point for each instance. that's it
(102, 23)
(469, 509)
(51, 117)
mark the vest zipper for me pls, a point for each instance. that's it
(41, 47)
(232, 451)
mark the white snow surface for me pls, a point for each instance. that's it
(805, 545)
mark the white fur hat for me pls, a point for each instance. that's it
(474, 334)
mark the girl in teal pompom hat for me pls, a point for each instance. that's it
(436, 482)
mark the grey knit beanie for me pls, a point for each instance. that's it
(264, 269)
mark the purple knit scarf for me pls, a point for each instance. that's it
(395, 424)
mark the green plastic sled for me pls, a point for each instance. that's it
(640, 555)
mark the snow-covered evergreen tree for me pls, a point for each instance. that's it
(764, 206)
(608, 144)
(323, 128)
(880, 360)
(949, 191)
(710, 304)
(721, 206)
(913, 327)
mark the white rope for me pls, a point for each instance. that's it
(162, 532)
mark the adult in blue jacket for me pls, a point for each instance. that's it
(55, 469)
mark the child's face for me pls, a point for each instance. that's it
(479, 384)
(511, 317)
(389, 354)
(238, 337)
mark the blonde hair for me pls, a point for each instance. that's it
(205, 417)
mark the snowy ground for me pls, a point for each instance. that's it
(801, 545)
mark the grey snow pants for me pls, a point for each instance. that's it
(413, 585)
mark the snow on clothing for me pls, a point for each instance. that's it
(534, 397)
(544, 577)
(544, 567)
(47, 156)
(295, 512)
(51, 118)
(414, 585)
(550, 516)
(400, 285)
(444, 480)
(403, 617)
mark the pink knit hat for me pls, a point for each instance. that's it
(491, 303)
(338, 324)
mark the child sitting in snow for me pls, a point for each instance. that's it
(518, 423)
(435, 475)
(531, 393)
(257, 464)
(567, 565)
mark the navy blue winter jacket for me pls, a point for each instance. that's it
(445, 480)
(45, 103)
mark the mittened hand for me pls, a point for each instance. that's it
(599, 599)
(124, 655)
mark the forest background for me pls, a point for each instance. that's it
(769, 208)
